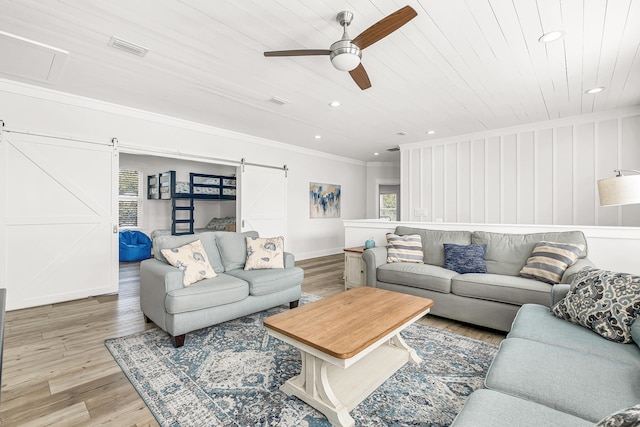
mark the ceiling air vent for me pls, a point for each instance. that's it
(393, 149)
(133, 48)
(278, 101)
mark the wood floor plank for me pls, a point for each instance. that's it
(57, 370)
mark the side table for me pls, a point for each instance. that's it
(354, 268)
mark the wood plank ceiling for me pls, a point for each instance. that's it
(460, 66)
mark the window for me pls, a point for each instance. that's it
(130, 199)
(389, 201)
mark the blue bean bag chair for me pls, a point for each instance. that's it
(134, 246)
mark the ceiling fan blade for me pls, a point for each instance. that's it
(300, 52)
(360, 76)
(384, 27)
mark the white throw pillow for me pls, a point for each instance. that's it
(192, 260)
(264, 253)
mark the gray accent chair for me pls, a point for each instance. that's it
(550, 372)
(489, 299)
(233, 293)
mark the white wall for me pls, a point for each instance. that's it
(156, 214)
(544, 173)
(34, 109)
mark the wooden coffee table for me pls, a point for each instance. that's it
(350, 344)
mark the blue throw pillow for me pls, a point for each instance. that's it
(465, 258)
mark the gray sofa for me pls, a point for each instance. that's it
(550, 372)
(489, 299)
(233, 293)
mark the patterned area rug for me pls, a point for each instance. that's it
(229, 374)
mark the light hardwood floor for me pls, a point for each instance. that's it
(58, 372)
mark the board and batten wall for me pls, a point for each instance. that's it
(543, 173)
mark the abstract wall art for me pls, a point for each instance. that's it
(324, 200)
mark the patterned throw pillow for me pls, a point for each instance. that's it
(635, 331)
(192, 260)
(465, 258)
(407, 248)
(629, 417)
(603, 301)
(549, 260)
(264, 253)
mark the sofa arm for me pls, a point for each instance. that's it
(570, 272)
(374, 258)
(289, 260)
(156, 279)
(558, 292)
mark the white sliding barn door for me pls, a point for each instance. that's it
(57, 219)
(263, 201)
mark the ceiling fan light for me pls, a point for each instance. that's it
(345, 56)
(345, 61)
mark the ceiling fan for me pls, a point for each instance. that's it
(345, 54)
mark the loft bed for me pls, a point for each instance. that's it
(164, 186)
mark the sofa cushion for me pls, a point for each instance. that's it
(406, 248)
(508, 253)
(192, 260)
(208, 240)
(604, 301)
(220, 290)
(579, 384)
(465, 258)
(264, 253)
(233, 248)
(549, 261)
(422, 276)
(262, 282)
(536, 322)
(628, 417)
(491, 408)
(433, 240)
(496, 287)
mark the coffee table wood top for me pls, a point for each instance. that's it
(347, 323)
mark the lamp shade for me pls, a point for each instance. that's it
(621, 190)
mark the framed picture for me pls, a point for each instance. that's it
(324, 200)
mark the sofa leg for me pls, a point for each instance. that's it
(146, 319)
(178, 340)
(294, 304)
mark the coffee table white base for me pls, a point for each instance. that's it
(335, 386)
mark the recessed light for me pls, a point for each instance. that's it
(335, 104)
(594, 90)
(431, 132)
(376, 154)
(318, 136)
(551, 36)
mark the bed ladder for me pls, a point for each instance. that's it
(179, 206)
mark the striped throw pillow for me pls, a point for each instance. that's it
(549, 260)
(407, 248)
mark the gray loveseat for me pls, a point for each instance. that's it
(550, 372)
(489, 299)
(233, 293)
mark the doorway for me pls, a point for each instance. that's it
(389, 202)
